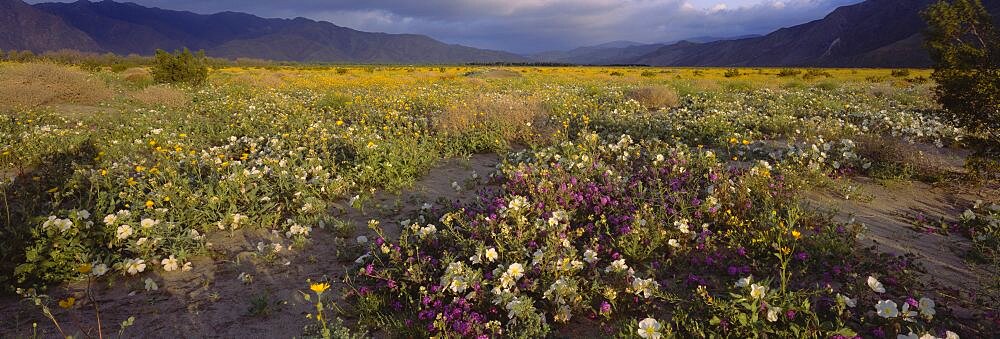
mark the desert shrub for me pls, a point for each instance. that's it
(181, 67)
(491, 122)
(966, 52)
(732, 73)
(341, 71)
(39, 84)
(138, 76)
(162, 95)
(900, 73)
(616, 74)
(654, 97)
(893, 159)
(814, 73)
(789, 72)
(983, 168)
(648, 74)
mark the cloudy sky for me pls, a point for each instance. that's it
(536, 25)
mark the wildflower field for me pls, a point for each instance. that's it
(455, 201)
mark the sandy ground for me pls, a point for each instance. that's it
(892, 213)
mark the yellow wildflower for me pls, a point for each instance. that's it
(67, 303)
(319, 288)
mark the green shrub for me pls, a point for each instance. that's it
(648, 74)
(180, 67)
(732, 73)
(816, 73)
(966, 51)
(789, 72)
(901, 73)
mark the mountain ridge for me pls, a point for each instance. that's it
(128, 28)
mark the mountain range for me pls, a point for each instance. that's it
(873, 33)
(126, 28)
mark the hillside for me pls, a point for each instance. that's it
(27, 28)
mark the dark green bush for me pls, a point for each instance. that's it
(901, 73)
(788, 72)
(732, 73)
(966, 51)
(180, 67)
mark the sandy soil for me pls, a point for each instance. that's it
(891, 214)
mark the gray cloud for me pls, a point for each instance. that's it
(535, 25)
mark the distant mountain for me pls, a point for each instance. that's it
(126, 28)
(615, 52)
(874, 33)
(25, 28)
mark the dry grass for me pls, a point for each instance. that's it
(655, 97)
(516, 118)
(42, 84)
(900, 160)
(162, 95)
(137, 76)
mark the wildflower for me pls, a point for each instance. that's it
(875, 285)
(151, 285)
(743, 282)
(906, 313)
(796, 234)
(362, 239)
(757, 291)
(590, 256)
(682, 225)
(99, 270)
(84, 268)
(515, 271)
(83, 214)
(491, 254)
(644, 287)
(427, 230)
(887, 309)
(458, 284)
(319, 288)
(968, 215)
(605, 308)
(169, 264)
(123, 232)
(674, 243)
(926, 306)
(617, 266)
(847, 300)
(772, 314)
(67, 303)
(135, 266)
(149, 204)
(649, 328)
(147, 223)
(110, 219)
(187, 267)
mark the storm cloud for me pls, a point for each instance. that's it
(536, 25)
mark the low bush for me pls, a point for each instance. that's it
(655, 97)
(181, 67)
